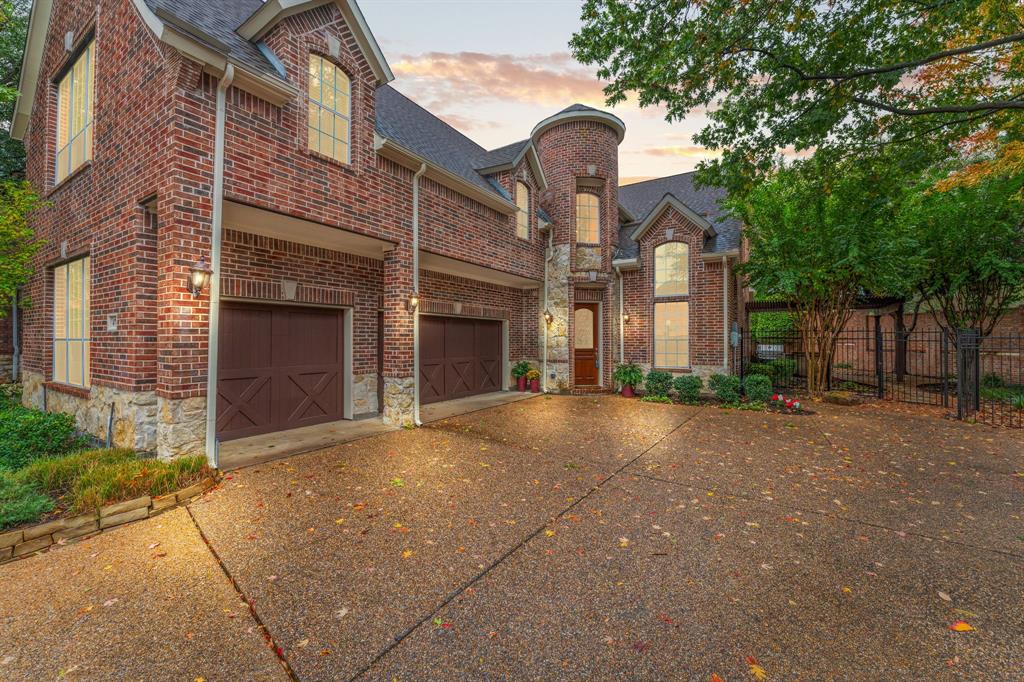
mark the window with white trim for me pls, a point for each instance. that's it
(588, 218)
(523, 216)
(71, 323)
(330, 110)
(672, 334)
(672, 269)
(74, 114)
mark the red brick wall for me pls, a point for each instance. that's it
(252, 258)
(705, 298)
(519, 305)
(97, 210)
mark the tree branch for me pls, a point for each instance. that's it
(995, 105)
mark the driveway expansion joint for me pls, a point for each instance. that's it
(278, 651)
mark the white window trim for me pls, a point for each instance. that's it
(88, 54)
(654, 259)
(597, 208)
(654, 335)
(324, 62)
(85, 340)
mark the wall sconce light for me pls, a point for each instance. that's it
(414, 302)
(625, 318)
(548, 317)
(199, 277)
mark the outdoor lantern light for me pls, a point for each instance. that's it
(199, 277)
(625, 318)
(548, 317)
(414, 301)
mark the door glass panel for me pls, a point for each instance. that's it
(584, 323)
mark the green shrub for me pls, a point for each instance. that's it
(770, 326)
(27, 435)
(758, 388)
(688, 388)
(754, 406)
(657, 383)
(20, 502)
(1017, 401)
(628, 374)
(992, 381)
(780, 371)
(656, 399)
(726, 387)
(520, 369)
(10, 396)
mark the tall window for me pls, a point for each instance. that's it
(588, 219)
(71, 323)
(330, 109)
(672, 269)
(671, 334)
(74, 114)
(523, 216)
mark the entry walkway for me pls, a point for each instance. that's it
(253, 450)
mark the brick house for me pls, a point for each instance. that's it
(366, 257)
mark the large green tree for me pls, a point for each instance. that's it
(13, 32)
(850, 75)
(821, 233)
(969, 241)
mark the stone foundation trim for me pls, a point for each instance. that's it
(463, 309)
(399, 399)
(19, 544)
(284, 291)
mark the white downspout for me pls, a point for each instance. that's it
(547, 327)
(725, 314)
(416, 292)
(218, 216)
(622, 315)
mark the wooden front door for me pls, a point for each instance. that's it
(586, 341)
(279, 368)
(458, 357)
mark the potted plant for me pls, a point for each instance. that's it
(628, 375)
(533, 376)
(519, 371)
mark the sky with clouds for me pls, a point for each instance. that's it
(494, 68)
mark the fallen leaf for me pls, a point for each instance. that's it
(961, 626)
(407, 553)
(755, 669)
(943, 596)
(549, 532)
(715, 678)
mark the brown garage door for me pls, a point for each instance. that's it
(279, 368)
(458, 357)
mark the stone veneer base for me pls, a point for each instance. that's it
(24, 542)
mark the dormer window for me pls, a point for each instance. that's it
(74, 114)
(523, 216)
(588, 219)
(330, 110)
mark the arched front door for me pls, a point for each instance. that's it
(586, 344)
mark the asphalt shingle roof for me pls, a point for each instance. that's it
(502, 155)
(219, 20)
(642, 197)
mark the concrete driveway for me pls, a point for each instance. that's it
(569, 538)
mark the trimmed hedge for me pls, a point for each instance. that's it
(688, 388)
(657, 383)
(726, 387)
(758, 388)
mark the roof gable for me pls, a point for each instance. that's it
(667, 202)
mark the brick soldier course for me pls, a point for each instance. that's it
(303, 229)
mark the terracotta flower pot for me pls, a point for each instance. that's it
(521, 383)
(535, 386)
(627, 391)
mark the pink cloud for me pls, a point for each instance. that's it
(448, 78)
(690, 151)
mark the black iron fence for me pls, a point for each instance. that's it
(977, 378)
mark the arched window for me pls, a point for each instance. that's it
(671, 318)
(588, 219)
(523, 216)
(330, 110)
(672, 269)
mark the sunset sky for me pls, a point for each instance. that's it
(494, 68)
